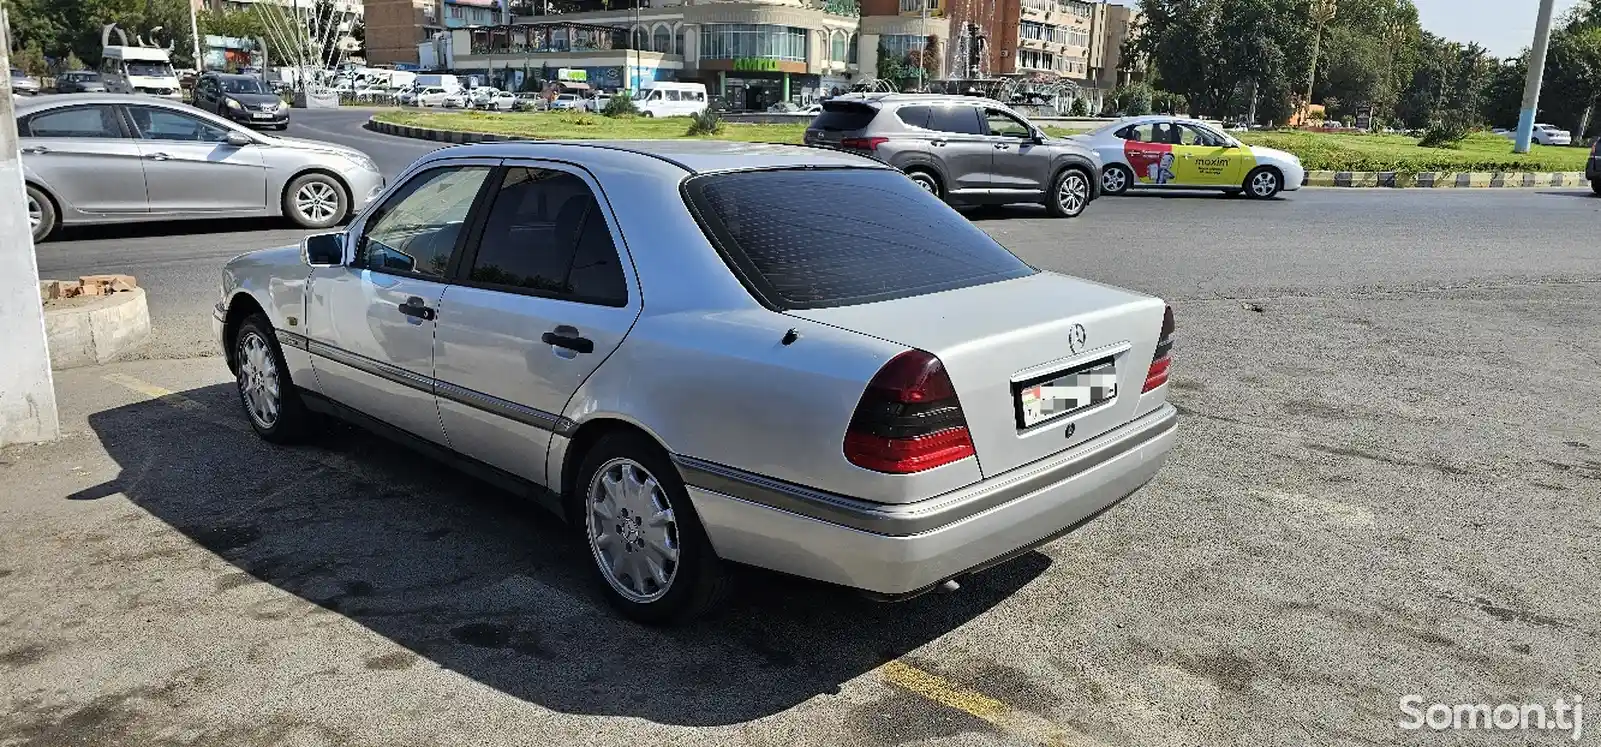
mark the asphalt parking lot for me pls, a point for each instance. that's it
(1387, 483)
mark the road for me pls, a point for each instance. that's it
(1387, 483)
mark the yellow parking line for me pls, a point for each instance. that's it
(1018, 724)
(155, 392)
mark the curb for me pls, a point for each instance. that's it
(454, 137)
(1360, 179)
(96, 331)
(1445, 179)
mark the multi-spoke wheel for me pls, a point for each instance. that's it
(1263, 183)
(647, 543)
(1069, 195)
(925, 181)
(1116, 179)
(315, 201)
(41, 214)
(266, 390)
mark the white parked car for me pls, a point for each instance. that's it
(433, 96)
(1165, 152)
(888, 404)
(567, 101)
(456, 100)
(502, 101)
(1543, 134)
(598, 102)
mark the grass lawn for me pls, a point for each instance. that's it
(1327, 151)
(1318, 151)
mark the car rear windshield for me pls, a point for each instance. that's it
(816, 238)
(844, 116)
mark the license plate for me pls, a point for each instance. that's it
(262, 115)
(1046, 398)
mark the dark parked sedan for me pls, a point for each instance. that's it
(241, 98)
(80, 81)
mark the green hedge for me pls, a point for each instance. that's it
(1321, 151)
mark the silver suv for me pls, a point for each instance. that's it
(965, 149)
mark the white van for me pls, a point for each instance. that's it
(144, 70)
(448, 82)
(661, 98)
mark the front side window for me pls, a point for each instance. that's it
(76, 122)
(1192, 135)
(546, 234)
(836, 237)
(162, 124)
(1006, 125)
(416, 230)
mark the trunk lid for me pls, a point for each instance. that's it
(839, 120)
(999, 339)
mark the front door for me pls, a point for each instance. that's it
(85, 157)
(371, 323)
(1020, 165)
(962, 147)
(1206, 160)
(538, 303)
(191, 169)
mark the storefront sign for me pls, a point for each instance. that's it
(756, 65)
(572, 75)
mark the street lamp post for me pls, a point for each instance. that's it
(1531, 84)
(1322, 12)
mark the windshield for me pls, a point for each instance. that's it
(15, 73)
(150, 69)
(242, 85)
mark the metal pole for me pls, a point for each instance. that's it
(1531, 84)
(922, 57)
(27, 392)
(194, 36)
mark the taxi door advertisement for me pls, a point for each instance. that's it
(1198, 165)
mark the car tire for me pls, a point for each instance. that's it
(266, 392)
(646, 524)
(1263, 183)
(1069, 195)
(315, 201)
(647, 115)
(1116, 179)
(926, 181)
(1595, 187)
(42, 217)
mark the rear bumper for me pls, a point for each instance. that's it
(1592, 169)
(898, 550)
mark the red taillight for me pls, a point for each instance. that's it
(862, 143)
(1163, 360)
(909, 419)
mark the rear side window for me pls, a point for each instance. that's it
(959, 119)
(815, 238)
(78, 121)
(916, 116)
(844, 116)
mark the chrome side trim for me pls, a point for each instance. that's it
(291, 340)
(459, 394)
(380, 369)
(496, 406)
(900, 520)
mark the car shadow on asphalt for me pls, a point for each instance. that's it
(170, 228)
(487, 585)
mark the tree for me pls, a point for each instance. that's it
(72, 62)
(1133, 99)
(1572, 85)
(1080, 108)
(30, 59)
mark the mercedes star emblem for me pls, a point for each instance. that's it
(1076, 338)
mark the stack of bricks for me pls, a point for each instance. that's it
(87, 285)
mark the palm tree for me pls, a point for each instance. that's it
(1322, 12)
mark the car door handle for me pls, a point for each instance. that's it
(37, 150)
(417, 308)
(937, 143)
(562, 338)
(157, 156)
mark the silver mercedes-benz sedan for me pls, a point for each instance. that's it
(704, 352)
(117, 158)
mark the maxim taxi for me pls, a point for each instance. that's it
(1164, 152)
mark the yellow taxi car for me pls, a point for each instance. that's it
(1165, 152)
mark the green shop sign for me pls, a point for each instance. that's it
(756, 65)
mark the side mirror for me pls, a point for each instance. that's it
(1036, 136)
(238, 139)
(323, 250)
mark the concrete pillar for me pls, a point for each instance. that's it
(27, 394)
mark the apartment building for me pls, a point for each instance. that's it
(396, 27)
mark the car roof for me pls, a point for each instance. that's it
(921, 98)
(694, 156)
(32, 103)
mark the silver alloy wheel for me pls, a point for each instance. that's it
(632, 530)
(318, 201)
(1264, 184)
(35, 213)
(258, 379)
(1113, 180)
(925, 182)
(1073, 193)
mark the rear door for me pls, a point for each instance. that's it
(962, 146)
(190, 168)
(86, 159)
(542, 296)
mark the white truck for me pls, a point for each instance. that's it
(146, 70)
